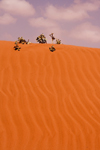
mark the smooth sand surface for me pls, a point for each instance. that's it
(49, 100)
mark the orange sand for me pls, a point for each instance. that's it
(49, 100)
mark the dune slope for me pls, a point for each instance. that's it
(49, 100)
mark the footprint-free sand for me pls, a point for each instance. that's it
(49, 100)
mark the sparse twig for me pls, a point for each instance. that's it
(51, 35)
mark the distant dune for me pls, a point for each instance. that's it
(49, 100)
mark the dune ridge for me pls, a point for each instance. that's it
(49, 100)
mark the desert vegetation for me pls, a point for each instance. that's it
(16, 47)
(52, 48)
(20, 40)
(41, 39)
(58, 41)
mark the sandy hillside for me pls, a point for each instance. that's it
(49, 100)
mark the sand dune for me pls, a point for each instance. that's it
(49, 100)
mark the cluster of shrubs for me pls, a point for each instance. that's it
(22, 41)
(53, 38)
(40, 39)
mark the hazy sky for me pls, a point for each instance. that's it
(74, 22)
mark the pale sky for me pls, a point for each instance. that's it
(74, 22)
